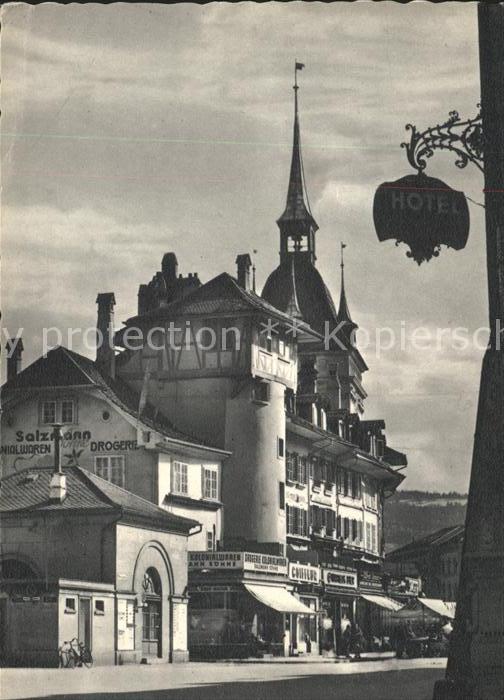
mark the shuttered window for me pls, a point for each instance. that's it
(179, 478)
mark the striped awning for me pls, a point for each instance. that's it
(278, 598)
(383, 602)
(442, 608)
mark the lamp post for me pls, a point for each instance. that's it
(475, 668)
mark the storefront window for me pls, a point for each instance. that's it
(233, 617)
(307, 624)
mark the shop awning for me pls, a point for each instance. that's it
(383, 602)
(439, 607)
(277, 598)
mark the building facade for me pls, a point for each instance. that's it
(110, 432)
(435, 559)
(271, 454)
(82, 558)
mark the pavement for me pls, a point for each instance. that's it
(302, 659)
(391, 679)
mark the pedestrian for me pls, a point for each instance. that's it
(357, 639)
(346, 640)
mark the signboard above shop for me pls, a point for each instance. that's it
(339, 578)
(245, 561)
(370, 581)
(422, 212)
(304, 573)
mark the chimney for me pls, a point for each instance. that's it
(57, 485)
(169, 268)
(105, 353)
(14, 348)
(244, 263)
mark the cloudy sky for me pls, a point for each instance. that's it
(132, 130)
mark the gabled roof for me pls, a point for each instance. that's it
(433, 539)
(59, 368)
(345, 452)
(62, 367)
(27, 491)
(221, 295)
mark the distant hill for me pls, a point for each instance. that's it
(410, 515)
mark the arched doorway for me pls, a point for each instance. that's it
(152, 611)
(15, 570)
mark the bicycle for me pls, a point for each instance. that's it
(74, 654)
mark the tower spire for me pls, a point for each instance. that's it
(293, 304)
(343, 311)
(297, 225)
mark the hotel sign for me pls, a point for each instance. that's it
(339, 578)
(422, 212)
(304, 573)
(245, 561)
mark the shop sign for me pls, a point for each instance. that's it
(406, 586)
(125, 624)
(40, 442)
(370, 581)
(304, 573)
(215, 560)
(247, 561)
(264, 562)
(340, 578)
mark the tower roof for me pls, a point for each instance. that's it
(343, 310)
(297, 207)
(293, 303)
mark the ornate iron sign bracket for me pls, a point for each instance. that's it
(464, 138)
